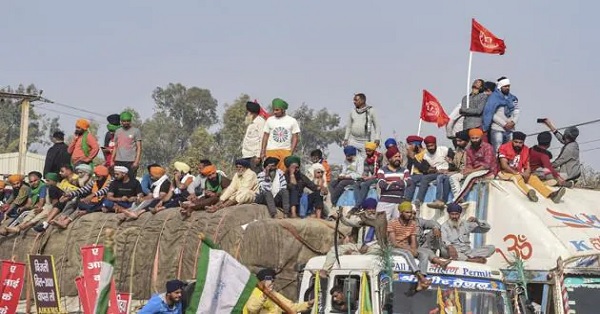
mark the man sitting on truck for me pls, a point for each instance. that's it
(402, 236)
(456, 234)
(260, 303)
(428, 242)
(515, 167)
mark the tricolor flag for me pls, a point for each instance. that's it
(223, 284)
(106, 272)
(364, 305)
(482, 40)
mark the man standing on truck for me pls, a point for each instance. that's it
(260, 303)
(362, 126)
(456, 234)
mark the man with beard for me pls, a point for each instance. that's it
(393, 181)
(280, 134)
(197, 187)
(540, 161)
(416, 165)
(259, 303)
(515, 167)
(58, 154)
(90, 200)
(501, 114)
(316, 156)
(402, 236)
(362, 126)
(456, 235)
(123, 193)
(481, 162)
(352, 172)
(242, 189)
(428, 242)
(166, 303)
(477, 100)
(35, 200)
(128, 145)
(372, 163)
(272, 187)
(114, 123)
(252, 139)
(51, 195)
(214, 184)
(297, 182)
(84, 146)
(84, 174)
(437, 157)
(18, 197)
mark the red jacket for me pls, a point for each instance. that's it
(518, 162)
(540, 158)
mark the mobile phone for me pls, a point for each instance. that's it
(541, 120)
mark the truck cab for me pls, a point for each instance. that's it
(461, 288)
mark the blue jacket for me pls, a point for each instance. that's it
(146, 184)
(158, 305)
(497, 99)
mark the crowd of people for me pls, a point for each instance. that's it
(485, 145)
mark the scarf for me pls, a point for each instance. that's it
(35, 193)
(214, 185)
(362, 110)
(84, 143)
(98, 185)
(276, 183)
(156, 186)
(372, 160)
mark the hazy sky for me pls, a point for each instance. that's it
(105, 55)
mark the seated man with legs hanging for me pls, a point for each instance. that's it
(456, 235)
(351, 175)
(242, 189)
(515, 167)
(123, 194)
(272, 187)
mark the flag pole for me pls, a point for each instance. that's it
(469, 77)
(420, 124)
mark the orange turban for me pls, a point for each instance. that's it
(157, 171)
(475, 132)
(101, 171)
(82, 124)
(2, 184)
(208, 170)
(15, 178)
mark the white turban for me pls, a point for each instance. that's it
(503, 82)
(85, 168)
(121, 169)
(310, 172)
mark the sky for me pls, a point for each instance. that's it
(106, 55)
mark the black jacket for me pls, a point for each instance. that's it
(56, 157)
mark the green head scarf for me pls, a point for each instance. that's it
(288, 161)
(279, 103)
(112, 127)
(126, 115)
(52, 176)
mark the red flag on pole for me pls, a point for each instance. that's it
(482, 40)
(432, 110)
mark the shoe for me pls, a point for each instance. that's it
(437, 205)
(557, 195)
(532, 196)
(41, 227)
(569, 184)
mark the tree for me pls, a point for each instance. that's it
(190, 108)
(10, 122)
(202, 146)
(160, 140)
(318, 129)
(231, 135)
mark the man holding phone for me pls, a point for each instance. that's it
(568, 162)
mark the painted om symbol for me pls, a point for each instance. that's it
(520, 247)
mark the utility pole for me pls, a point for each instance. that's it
(24, 128)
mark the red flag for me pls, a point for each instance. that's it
(432, 110)
(484, 41)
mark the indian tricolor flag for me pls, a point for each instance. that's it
(106, 272)
(223, 284)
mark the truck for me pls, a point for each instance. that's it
(557, 245)
(460, 288)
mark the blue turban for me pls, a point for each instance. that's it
(390, 142)
(350, 151)
(369, 203)
(454, 208)
(243, 162)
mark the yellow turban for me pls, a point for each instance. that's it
(371, 146)
(82, 124)
(405, 207)
(182, 166)
(15, 178)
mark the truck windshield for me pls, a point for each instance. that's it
(449, 295)
(583, 294)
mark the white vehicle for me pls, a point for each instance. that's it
(559, 244)
(461, 288)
